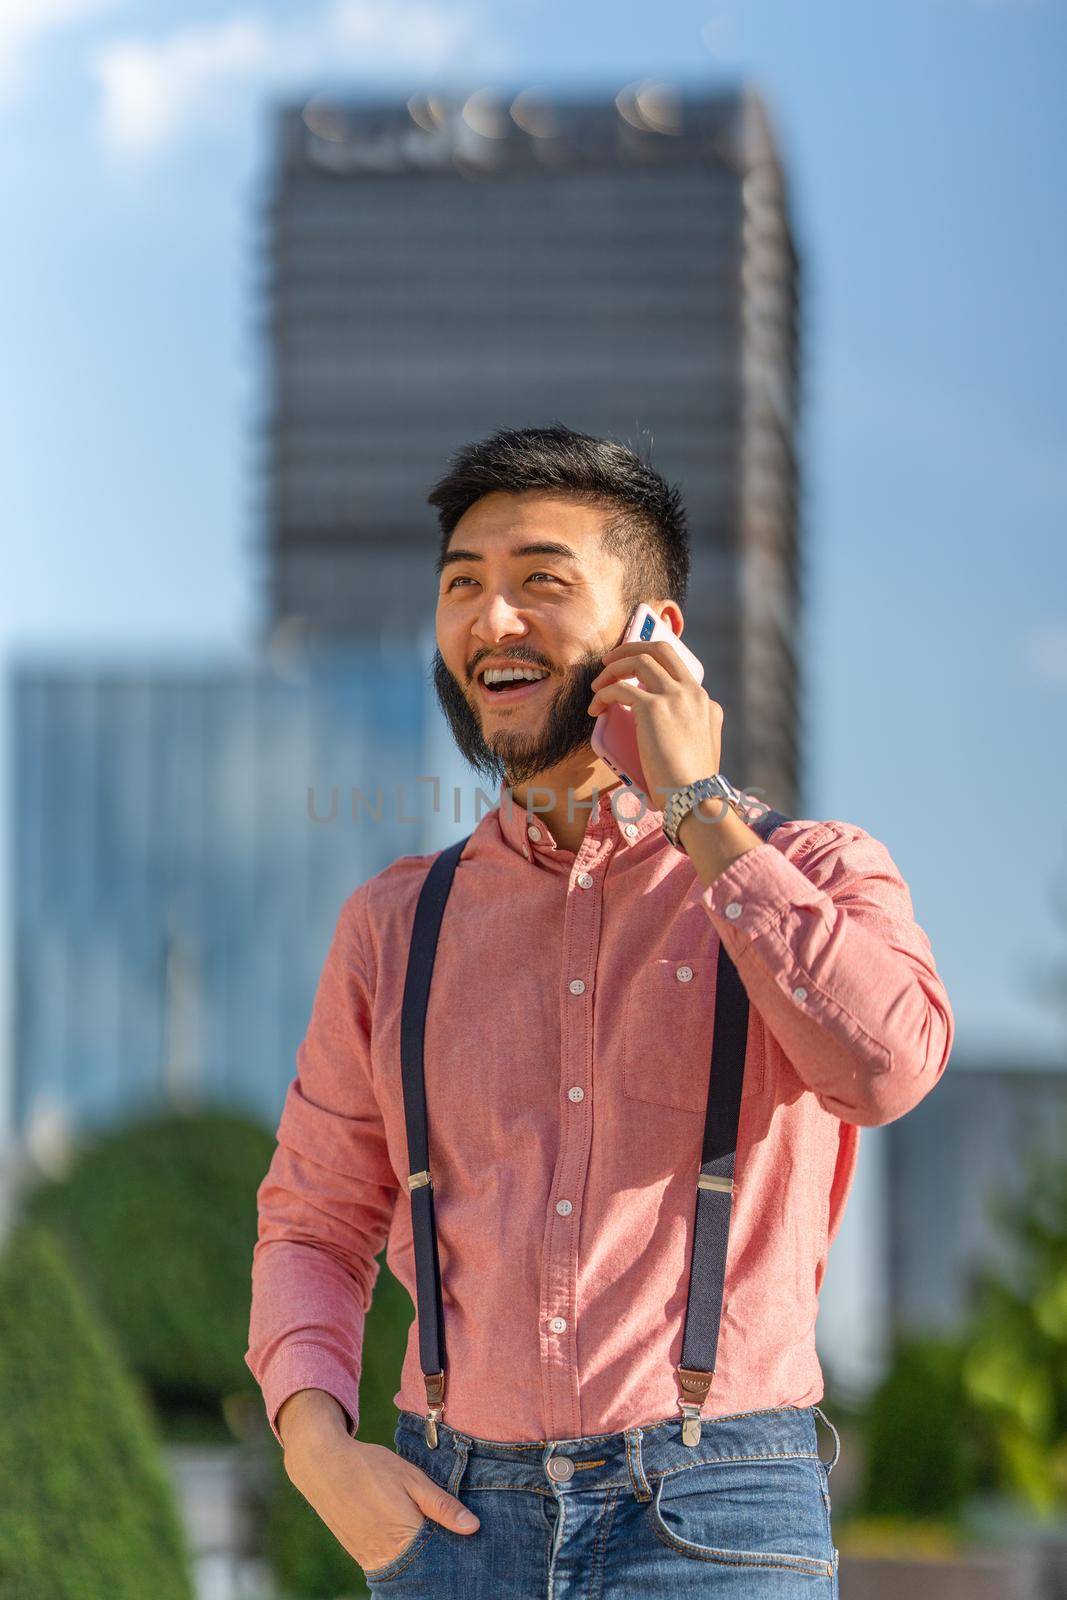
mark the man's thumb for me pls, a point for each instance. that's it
(449, 1511)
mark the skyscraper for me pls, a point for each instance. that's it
(445, 267)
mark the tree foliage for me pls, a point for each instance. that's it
(158, 1218)
(86, 1512)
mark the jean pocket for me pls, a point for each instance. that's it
(753, 1513)
(400, 1563)
(828, 1466)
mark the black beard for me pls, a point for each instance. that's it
(515, 758)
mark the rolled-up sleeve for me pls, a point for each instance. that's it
(822, 931)
(325, 1204)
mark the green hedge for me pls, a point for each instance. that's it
(158, 1218)
(86, 1512)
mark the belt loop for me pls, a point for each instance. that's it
(462, 1446)
(641, 1486)
(829, 1465)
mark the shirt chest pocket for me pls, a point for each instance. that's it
(668, 1032)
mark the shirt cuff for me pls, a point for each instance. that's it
(754, 892)
(308, 1366)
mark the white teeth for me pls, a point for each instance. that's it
(513, 674)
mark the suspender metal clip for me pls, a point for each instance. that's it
(695, 1386)
(691, 1424)
(435, 1400)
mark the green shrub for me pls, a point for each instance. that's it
(920, 1452)
(159, 1220)
(86, 1512)
(1015, 1335)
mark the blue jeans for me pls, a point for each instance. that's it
(746, 1512)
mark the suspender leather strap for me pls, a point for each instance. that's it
(714, 1182)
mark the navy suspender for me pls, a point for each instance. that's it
(428, 913)
(714, 1183)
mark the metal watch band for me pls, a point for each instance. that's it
(683, 801)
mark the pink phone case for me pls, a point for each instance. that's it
(614, 737)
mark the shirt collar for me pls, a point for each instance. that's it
(625, 820)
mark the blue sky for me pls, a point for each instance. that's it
(921, 141)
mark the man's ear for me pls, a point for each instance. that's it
(671, 614)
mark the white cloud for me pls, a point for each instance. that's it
(721, 34)
(152, 90)
(23, 22)
(149, 89)
(1046, 654)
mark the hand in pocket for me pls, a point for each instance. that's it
(372, 1500)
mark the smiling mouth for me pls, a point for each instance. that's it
(509, 694)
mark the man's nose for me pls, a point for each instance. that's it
(497, 618)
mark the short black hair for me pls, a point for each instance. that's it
(648, 530)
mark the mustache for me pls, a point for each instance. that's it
(508, 661)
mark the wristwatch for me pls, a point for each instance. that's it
(683, 800)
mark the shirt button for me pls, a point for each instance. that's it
(558, 1325)
(684, 974)
(576, 986)
(800, 993)
(630, 830)
(733, 910)
(564, 1208)
(577, 1093)
(584, 881)
(534, 833)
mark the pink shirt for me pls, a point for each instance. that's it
(568, 1046)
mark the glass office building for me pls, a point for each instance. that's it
(184, 838)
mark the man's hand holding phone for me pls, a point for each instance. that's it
(371, 1499)
(677, 723)
(670, 735)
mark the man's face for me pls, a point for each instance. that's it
(501, 603)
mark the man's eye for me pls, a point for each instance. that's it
(533, 575)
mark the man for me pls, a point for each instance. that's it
(566, 1066)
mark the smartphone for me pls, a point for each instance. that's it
(614, 737)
